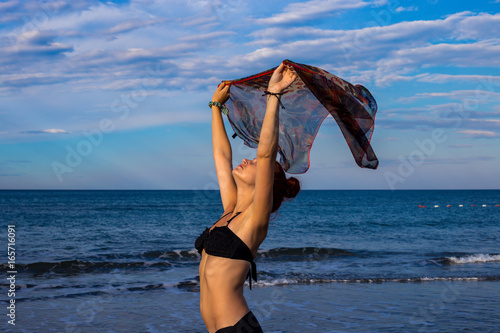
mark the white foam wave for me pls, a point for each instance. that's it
(294, 281)
(475, 258)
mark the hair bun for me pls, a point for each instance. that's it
(292, 187)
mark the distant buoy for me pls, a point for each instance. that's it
(461, 205)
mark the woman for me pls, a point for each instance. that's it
(250, 193)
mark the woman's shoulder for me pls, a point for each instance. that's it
(255, 222)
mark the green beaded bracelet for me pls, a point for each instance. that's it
(221, 107)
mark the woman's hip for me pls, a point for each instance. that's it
(247, 324)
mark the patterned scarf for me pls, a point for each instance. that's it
(314, 94)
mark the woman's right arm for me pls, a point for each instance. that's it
(222, 150)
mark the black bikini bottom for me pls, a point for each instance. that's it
(247, 324)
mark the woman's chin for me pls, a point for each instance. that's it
(237, 175)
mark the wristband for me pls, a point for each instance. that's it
(277, 95)
(222, 108)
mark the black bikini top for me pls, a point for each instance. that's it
(223, 242)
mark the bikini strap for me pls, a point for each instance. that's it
(232, 218)
(222, 218)
(252, 274)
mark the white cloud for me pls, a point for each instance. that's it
(478, 54)
(206, 37)
(30, 79)
(401, 47)
(393, 50)
(132, 25)
(480, 26)
(480, 134)
(55, 131)
(49, 131)
(7, 5)
(93, 18)
(463, 116)
(73, 48)
(35, 50)
(442, 78)
(280, 34)
(76, 43)
(301, 11)
(456, 95)
(406, 9)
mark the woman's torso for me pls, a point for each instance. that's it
(222, 302)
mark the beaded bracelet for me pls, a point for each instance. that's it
(277, 95)
(221, 107)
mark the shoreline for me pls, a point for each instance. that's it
(435, 306)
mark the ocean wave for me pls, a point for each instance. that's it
(192, 285)
(176, 254)
(281, 252)
(468, 259)
(155, 254)
(72, 267)
(107, 291)
(301, 281)
(268, 280)
(287, 252)
(162, 259)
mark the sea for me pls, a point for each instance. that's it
(333, 261)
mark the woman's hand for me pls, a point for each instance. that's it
(282, 77)
(221, 95)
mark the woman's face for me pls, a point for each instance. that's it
(246, 171)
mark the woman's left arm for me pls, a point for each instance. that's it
(282, 77)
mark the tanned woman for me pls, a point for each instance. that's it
(250, 193)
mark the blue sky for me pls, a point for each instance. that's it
(113, 95)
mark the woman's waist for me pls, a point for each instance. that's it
(221, 310)
(223, 272)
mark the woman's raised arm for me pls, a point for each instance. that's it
(222, 150)
(282, 77)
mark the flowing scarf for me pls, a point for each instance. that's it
(311, 97)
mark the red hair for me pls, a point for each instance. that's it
(283, 187)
